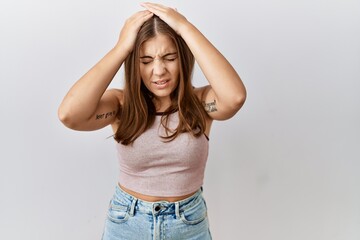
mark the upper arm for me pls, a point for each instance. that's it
(105, 113)
(215, 109)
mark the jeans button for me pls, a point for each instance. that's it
(157, 208)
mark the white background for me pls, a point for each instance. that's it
(285, 167)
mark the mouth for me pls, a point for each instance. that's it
(161, 82)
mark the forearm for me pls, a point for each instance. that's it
(222, 77)
(84, 96)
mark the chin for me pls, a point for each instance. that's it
(162, 94)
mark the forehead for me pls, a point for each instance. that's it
(158, 45)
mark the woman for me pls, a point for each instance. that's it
(160, 121)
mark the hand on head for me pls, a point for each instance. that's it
(169, 15)
(133, 24)
(131, 28)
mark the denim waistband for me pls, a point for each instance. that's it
(157, 208)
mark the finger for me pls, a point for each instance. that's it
(146, 16)
(142, 13)
(154, 5)
(155, 8)
(146, 13)
(158, 9)
(143, 16)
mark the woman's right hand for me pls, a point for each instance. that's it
(130, 30)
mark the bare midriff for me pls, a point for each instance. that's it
(148, 198)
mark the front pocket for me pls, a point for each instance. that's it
(195, 214)
(118, 212)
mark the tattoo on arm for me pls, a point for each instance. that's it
(105, 115)
(210, 107)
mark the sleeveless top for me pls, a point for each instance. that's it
(152, 166)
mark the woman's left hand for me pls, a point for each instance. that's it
(169, 15)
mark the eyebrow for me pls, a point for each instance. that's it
(166, 55)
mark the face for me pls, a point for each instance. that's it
(159, 67)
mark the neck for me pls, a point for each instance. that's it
(162, 104)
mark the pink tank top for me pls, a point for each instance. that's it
(153, 167)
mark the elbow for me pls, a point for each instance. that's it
(64, 116)
(233, 105)
(238, 100)
(241, 100)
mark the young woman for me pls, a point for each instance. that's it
(160, 121)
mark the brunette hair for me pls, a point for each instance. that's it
(137, 112)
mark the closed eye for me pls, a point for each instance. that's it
(170, 59)
(146, 60)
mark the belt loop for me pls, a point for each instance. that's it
(132, 208)
(177, 210)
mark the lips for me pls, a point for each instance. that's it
(161, 82)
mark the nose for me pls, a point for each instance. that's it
(159, 67)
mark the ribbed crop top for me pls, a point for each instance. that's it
(153, 167)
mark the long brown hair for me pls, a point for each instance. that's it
(137, 112)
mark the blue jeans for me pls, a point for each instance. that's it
(131, 218)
